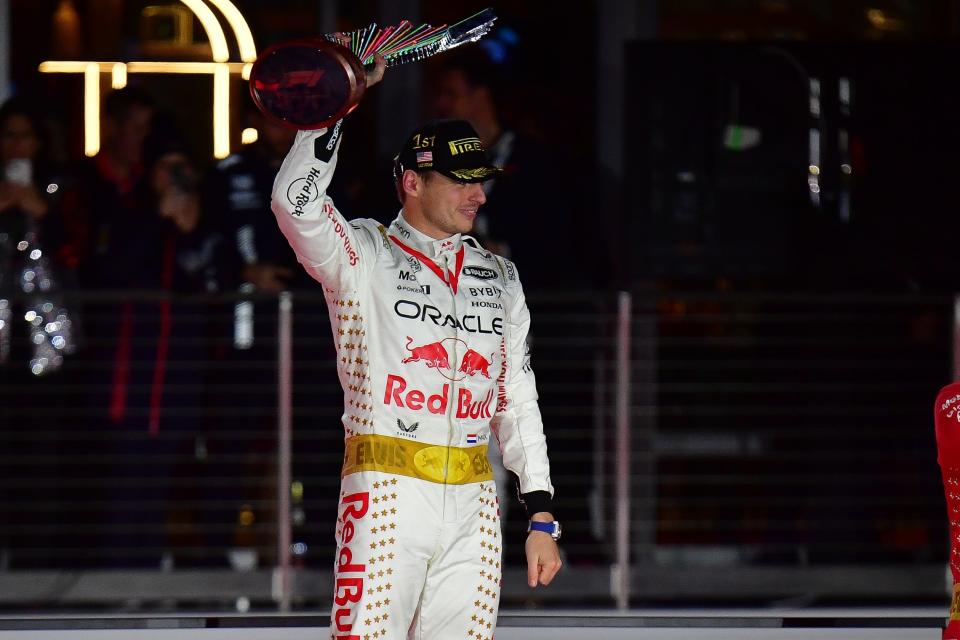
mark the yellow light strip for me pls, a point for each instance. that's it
(248, 50)
(118, 75)
(75, 66)
(218, 41)
(221, 112)
(209, 68)
(66, 66)
(91, 109)
(220, 68)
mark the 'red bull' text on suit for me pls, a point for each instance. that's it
(431, 347)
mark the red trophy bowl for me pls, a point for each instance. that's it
(307, 84)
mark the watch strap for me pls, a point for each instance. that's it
(545, 527)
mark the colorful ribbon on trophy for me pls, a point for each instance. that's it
(406, 43)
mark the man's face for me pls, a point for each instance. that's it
(449, 206)
(455, 97)
(126, 137)
(18, 139)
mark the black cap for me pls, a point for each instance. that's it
(450, 147)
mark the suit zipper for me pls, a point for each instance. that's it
(453, 384)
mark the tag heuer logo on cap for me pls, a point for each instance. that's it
(481, 273)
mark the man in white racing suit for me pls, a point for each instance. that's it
(430, 333)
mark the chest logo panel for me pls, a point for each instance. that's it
(480, 273)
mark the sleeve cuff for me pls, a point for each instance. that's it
(537, 501)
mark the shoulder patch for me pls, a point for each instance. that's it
(325, 145)
(507, 270)
(383, 234)
(511, 271)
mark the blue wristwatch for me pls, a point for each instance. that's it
(553, 528)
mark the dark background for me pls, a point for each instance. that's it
(714, 238)
(692, 210)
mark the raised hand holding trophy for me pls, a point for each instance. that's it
(312, 83)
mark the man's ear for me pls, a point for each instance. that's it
(411, 183)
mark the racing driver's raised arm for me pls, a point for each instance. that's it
(332, 250)
(329, 248)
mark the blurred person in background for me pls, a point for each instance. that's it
(237, 192)
(36, 332)
(30, 189)
(133, 223)
(261, 264)
(134, 227)
(469, 86)
(196, 260)
(108, 215)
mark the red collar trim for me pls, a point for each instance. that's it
(452, 278)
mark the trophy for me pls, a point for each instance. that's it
(312, 83)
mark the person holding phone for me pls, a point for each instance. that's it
(28, 290)
(28, 193)
(22, 146)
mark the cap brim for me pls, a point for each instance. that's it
(479, 174)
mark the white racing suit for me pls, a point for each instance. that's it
(431, 352)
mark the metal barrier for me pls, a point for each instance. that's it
(671, 624)
(704, 447)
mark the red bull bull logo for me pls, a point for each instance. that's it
(474, 363)
(434, 355)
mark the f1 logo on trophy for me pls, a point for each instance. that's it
(312, 83)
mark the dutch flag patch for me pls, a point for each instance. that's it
(471, 438)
